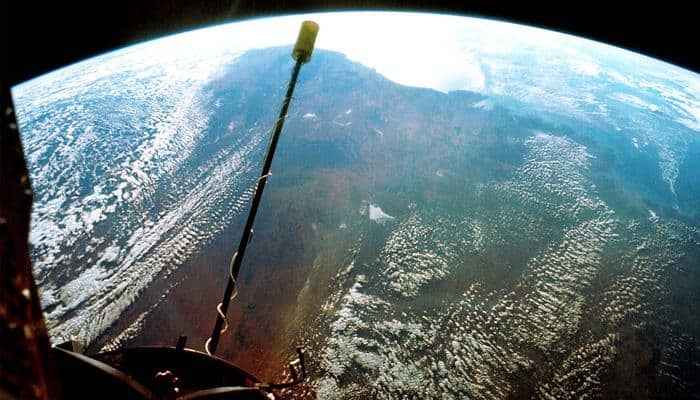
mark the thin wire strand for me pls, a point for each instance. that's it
(235, 287)
(218, 307)
(269, 174)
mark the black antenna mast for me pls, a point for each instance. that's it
(301, 54)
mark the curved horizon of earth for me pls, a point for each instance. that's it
(515, 214)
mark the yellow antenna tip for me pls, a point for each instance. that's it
(305, 41)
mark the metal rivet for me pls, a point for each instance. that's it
(26, 293)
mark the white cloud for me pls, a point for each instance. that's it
(584, 67)
(423, 50)
(441, 52)
(636, 101)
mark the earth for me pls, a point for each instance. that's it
(459, 208)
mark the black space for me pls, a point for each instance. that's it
(41, 36)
